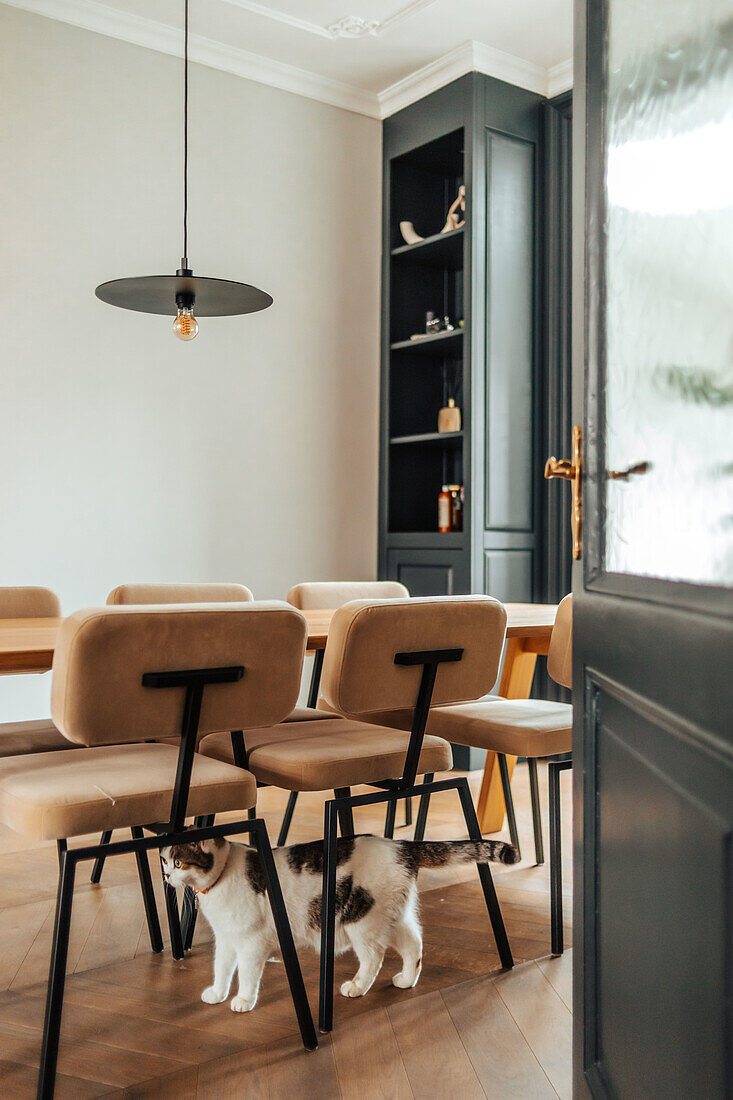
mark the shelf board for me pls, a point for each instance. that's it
(427, 437)
(444, 343)
(439, 250)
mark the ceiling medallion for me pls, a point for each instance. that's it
(353, 26)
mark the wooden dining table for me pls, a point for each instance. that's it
(27, 645)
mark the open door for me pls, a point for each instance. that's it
(653, 656)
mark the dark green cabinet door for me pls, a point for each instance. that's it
(653, 606)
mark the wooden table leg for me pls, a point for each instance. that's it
(516, 683)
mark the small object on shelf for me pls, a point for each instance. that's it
(450, 509)
(444, 510)
(407, 229)
(461, 323)
(449, 418)
(447, 326)
(432, 323)
(456, 507)
(454, 220)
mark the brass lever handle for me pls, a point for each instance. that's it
(572, 472)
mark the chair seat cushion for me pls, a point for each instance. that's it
(341, 754)
(308, 714)
(52, 795)
(219, 745)
(22, 738)
(517, 727)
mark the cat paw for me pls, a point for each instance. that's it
(241, 1004)
(351, 989)
(406, 981)
(213, 996)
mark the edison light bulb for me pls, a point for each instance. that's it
(185, 325)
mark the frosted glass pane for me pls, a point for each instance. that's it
(669, 289)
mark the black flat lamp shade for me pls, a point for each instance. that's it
(181, 294)
(158, 294)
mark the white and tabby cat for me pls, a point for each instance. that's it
(376, 903)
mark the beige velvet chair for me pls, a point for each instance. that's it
(124, 677)
(531, 728)
(20, 738)
(402, 654)
(327, 596)
(230, 746)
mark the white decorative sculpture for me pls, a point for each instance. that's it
(454, 220)
(407, 229)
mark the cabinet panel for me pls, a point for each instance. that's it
(508, 575)
(429, 572)
(510, 332)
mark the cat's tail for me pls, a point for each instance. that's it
(441, 853)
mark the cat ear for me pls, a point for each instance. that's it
(210, 845)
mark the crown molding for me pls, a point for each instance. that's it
(216, 55)
(560, 78)
(350, 26)
(475, 57)
(466, 58)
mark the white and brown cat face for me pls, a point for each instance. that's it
(196, 864)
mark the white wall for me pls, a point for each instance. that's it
(249, 454)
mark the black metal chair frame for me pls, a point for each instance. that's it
(511, 818)
(166, 833)
(555, 766)
(392, 791)
(389, 823)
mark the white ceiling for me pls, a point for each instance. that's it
(372, 56)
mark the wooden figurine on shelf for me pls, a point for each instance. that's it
(454, 220)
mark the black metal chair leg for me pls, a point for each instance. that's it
(534, 787)
(190, 912)
(508, 800)
(345, 813)
(282, 836)
(285, 938)
(556, 928)
(328, 918)
(252, 813)
(487, 882)
(99, 861)
(408, 811)
(146, 885)
(56, 979)
(389, 821)
(422, 810)
(174, 923)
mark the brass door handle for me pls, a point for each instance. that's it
(573, 472)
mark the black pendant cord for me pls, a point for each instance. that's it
(184, 261)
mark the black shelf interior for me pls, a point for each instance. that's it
(424, 373)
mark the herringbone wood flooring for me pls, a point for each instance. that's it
(134, 1024)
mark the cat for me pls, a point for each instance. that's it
(376, 903)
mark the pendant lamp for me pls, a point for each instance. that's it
(184, 294)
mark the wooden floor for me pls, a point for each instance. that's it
(134, 1025)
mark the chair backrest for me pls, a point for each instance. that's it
(359, 673)
(179, 593)
(29, 603)
(328, 595)
(560, 656)
(97, 696)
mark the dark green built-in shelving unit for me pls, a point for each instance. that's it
(485, 134)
